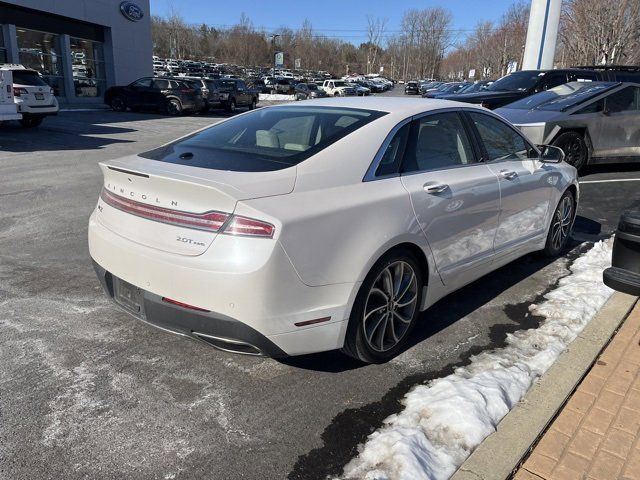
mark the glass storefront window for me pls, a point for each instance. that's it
(87, 61)
(41, 52)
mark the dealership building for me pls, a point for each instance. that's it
(80, 47)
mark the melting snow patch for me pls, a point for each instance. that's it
(446, 419)
(275, 97)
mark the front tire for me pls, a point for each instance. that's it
(386, 308)
(253, 104)
(118, 104)
(561, 226)
(575, 149)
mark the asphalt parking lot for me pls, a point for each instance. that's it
(88, 392)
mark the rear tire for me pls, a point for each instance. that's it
(561, 226)
(386, 308)
(575, 149)
(231, 106)
(253, 104)
(31, 122)
(174, 107)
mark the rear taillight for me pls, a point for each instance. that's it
(249, 227)
(210, 221)
(17, 91)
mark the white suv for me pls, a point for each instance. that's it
(32, 94)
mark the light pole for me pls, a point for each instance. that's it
(273, 44)
(542, 34)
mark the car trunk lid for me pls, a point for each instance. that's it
(149, 202)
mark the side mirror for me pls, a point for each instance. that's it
(551, 154)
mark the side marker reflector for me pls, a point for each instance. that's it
(312, 322)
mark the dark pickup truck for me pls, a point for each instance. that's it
(234, 93)
(522, 84)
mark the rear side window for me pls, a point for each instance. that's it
(393, 154)
(161, 84)
(265, 140)
(624, 100)
(22, 77)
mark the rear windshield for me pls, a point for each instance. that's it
(563, 97)
(22, 77)
(265, 140)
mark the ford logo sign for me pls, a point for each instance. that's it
(131, 11)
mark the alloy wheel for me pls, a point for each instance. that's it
(562, 222)
(390, 306)
(173, 107)
(573, 152)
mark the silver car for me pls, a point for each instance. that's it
(592, 122)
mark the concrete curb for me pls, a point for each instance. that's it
(501, 452)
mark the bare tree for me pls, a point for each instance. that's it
(375, 30)
(597, 32)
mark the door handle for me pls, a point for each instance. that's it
(435, 188)
(508, 174)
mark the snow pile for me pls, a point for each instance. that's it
(275, 97)
(446, 419)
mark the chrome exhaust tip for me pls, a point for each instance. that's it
(228, 344)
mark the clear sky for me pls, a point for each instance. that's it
(346, 19)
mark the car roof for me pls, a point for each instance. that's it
(396, 105)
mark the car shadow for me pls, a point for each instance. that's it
(53, 136)
(610, 168)
(448, 311)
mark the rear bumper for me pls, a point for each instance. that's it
(217, 330)
(38, 111)
(251, 297)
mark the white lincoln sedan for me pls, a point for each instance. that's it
(329, 224)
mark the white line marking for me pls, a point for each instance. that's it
(610, 181)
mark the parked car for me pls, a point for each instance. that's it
(207, 87)
(249, 209)
(285, 86)
(411, 88)
(33, 96)
(170, 95)
(235, 93)
(8, 107)
(475, 87)
(594, 122)
(338, 88)
(305, 91)
(361, 90)
(523, 84)
(451, 88)
(624, 273)
(426, 86)
(259, 84)
(375, 87)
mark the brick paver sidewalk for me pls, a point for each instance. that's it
(597, 433)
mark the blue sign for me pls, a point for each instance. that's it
(131, 11)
